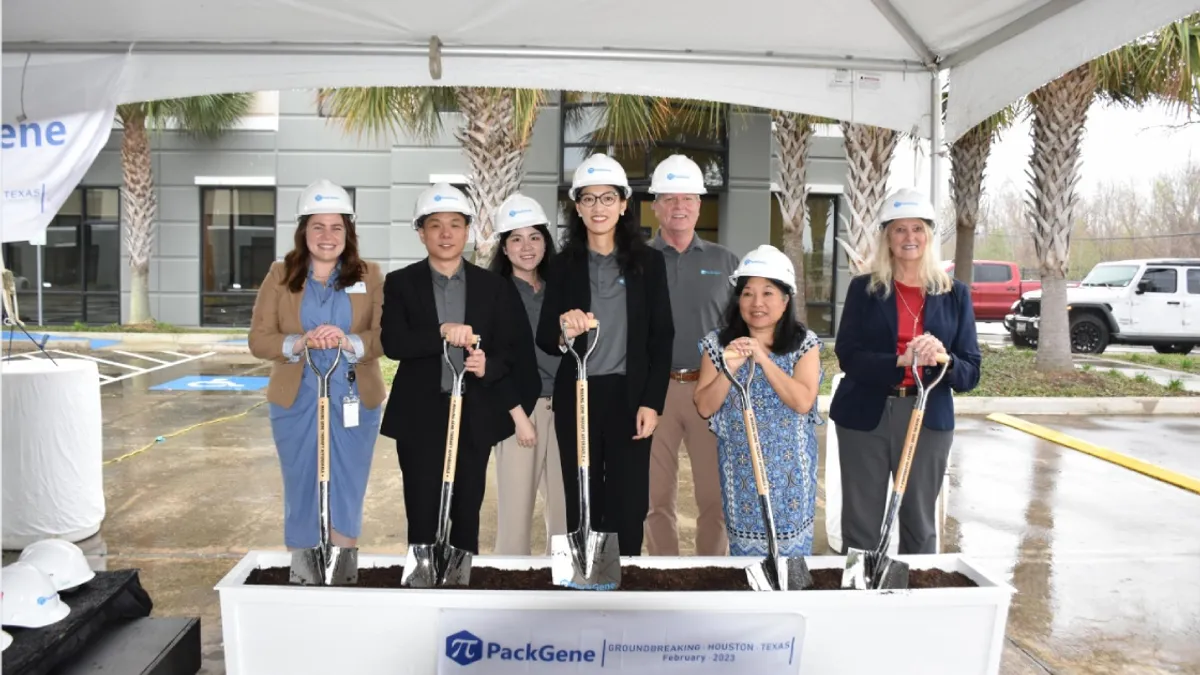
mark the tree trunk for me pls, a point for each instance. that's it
(869, 153)
(496, 154)
(139, 208)
(968, 159)
(793, 133)
(1059, 114)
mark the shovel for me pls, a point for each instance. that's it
(440, 564)
(584, 559)
(876, 569)
(324, 564)
(775, 572)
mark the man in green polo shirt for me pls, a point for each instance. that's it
(698, 279)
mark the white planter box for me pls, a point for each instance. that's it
(288, 630)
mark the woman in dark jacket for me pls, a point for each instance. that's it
(906, 311)
(606, 272)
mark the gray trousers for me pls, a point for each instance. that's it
(868, 457)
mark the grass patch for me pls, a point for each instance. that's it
(388, 367)
(150, 326)
(1006, 372)
(1187, 363)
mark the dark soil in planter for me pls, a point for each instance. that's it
(633, 578)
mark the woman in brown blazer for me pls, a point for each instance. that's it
(324, 295)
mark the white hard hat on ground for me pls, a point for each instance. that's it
(28, 598)
(906, 203)
(599, 169)
(324, 196)
(519, 211)
(59, 559)
(768, 262)
(678, 174)
(442, 198)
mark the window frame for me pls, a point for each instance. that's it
(81, 237)
(1174, 274)
(240, 293)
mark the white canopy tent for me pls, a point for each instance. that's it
(868, 61)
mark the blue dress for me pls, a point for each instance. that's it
(789, 446)
(295, 432)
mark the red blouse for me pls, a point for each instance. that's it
(910, 314)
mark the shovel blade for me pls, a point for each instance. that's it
(854, 577)
(341, 566)
(420, 567)
(456, 567)
(588, 561)
(891, 575)
(779, 574)
(308, 567)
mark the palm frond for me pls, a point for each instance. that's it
(200, 116)
(380, 111)
(1163, 66)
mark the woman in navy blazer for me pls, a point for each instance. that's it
(906, 310)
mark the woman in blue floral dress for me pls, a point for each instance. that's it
(760, 324)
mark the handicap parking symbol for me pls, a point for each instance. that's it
(212, 383)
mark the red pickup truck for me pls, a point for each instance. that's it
(995, 286)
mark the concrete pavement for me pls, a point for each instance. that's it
(1106, 561)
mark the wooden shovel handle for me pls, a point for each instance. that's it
(451, 460)
(581, 423)
(910, 450)
(760, 478)
(323, 440)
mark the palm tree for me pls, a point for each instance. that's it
(498, 126)
(869, 150)
(199, 116)
(968, 160)
(1163, 66)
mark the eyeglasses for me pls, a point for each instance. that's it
(607, 199)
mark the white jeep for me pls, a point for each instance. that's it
(1154, 302)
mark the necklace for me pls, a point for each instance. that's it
(915, 315)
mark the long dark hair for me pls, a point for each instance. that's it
(627, 236)
(789, 330)
(503, 266)
(296, 261)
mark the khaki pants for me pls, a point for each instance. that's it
(681, 422)
(521, 473)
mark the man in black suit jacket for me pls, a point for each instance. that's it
(445, 297)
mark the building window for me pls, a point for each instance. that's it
(237, 248)
(81, 262)
(820, 261)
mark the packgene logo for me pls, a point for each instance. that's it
(464, 648)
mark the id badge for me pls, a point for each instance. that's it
(350, 411)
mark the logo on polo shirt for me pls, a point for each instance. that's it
(712, 272)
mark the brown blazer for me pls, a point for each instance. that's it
(277, 315)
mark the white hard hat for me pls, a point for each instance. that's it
(768, 262)
(906, 203)
(442, 198)
(60, 560)
(324, 196)
(678, 174)
(519, 211)
(600, 169)
(29, 599)
(5, 640)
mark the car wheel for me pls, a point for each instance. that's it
(1089, 335)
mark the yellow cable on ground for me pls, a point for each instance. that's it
(184, 430)
(1152, 470)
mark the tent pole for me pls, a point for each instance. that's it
(935, 136)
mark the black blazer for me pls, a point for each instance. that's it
(866, 351)
(526, 378)
(651, 330)
(411, 336)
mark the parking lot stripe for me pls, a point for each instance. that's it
(140, 356)
(96, 359)
(1133, 464)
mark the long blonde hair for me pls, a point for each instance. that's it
(933, 278)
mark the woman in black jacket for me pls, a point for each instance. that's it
(606, 272)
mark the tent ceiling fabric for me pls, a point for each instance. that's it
(770, 53)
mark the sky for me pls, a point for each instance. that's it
(1119, 145)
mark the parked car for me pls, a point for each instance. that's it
(995, 286)
(1152, 302)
